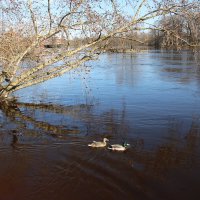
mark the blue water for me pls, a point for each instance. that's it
(151, 88)
(149, 99)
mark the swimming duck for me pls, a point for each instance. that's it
(119, 147)
(99, 144)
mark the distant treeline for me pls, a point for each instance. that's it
(175, 31)
(178, 31)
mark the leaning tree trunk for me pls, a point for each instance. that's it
(4, 93)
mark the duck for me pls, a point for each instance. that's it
(119, 147)
(99, 144)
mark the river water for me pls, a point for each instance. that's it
(150, 100)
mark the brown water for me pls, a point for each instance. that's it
(151, 100)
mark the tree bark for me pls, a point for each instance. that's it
(4, 95)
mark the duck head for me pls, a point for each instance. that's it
(126, 145)
(105, 140)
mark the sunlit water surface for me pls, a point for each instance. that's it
(150, 100)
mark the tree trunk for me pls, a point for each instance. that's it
(4, 95)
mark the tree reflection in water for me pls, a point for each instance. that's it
(56, 119)
(179, 150)
(144, 170)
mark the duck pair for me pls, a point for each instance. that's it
(114, 147)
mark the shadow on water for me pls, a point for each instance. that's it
(60, 165)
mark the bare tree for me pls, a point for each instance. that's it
(180, 29)
(29, 25)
